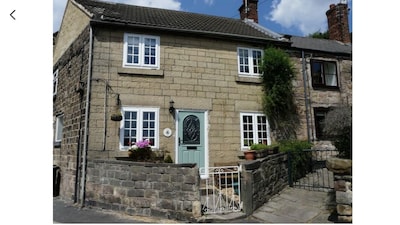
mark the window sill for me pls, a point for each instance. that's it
(140, 72)
(57, 144)
(326, 88)
(254, 80)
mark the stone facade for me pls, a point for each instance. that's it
(196, 73)
(72, 69)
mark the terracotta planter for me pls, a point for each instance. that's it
(249, 155)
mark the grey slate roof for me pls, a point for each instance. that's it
(322, 45)
(172, 20)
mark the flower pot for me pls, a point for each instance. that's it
(249, 155)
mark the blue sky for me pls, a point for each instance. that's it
(294, 17)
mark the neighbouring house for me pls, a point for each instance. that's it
(187, 82)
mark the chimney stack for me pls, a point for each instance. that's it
(338, 22)
(249, 10)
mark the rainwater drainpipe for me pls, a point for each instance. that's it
(85, 136)
(305, 94)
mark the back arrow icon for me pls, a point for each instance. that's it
(12, 15)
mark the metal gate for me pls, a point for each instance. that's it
(220, 190)
(307, 169)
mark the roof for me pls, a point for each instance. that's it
(172, 20)
(322, 45)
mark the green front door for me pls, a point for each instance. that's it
(191, 138)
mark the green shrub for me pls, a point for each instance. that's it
(299, 160)
(279, 106)
(338, 128)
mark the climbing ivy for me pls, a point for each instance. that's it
(278, 98)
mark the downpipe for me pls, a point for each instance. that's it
(85, 137)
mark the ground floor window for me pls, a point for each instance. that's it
(139, 124)
(319, 117)
(254, 128)
(59, 130)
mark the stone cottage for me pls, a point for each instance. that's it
(187, 82)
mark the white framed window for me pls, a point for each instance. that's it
(141, 51)
(249, 61)
(254, 128)
(59, 128)
(139, 124)
(55, 82)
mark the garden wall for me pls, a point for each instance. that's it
(261, 179)
(147, 189)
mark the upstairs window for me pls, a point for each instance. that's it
(55, 82)
(139, 124)
(254, 129)
(141, 51)
(249, 61)
(324, 74)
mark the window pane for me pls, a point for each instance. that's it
(256, 61)
(243, 60)
(330, 74)
(316, 73)
(130, 126)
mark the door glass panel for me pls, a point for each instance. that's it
(191, 130)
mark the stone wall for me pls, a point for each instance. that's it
(261, 179)
(146, 189)
(72, 69)
(342, 170)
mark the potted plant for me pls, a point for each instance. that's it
(141, 150)
(249, 154)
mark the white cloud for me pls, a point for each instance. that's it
(209, 2)
(59, 6)
(308, 16)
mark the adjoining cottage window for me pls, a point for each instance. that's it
(141, 51)
(139, 124)
(319, 117)
(59, 129)
(55, 82)
(254, 128)
(324, 74)
(249, 61)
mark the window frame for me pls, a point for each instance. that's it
(55, 82)
(141, 52)
(139, 125)
(323, 75)
(255, 129)
(58, 133)
(250, 64)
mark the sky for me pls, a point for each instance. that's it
(293, 17)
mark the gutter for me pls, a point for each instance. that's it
(86, 127)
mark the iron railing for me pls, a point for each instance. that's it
(220, 189)
(307, 169)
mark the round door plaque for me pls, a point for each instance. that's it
(167, 132)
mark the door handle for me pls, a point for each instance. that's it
(179, 141)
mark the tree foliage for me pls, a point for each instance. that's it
(338, 128)
(278, 100)
(318, 34)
